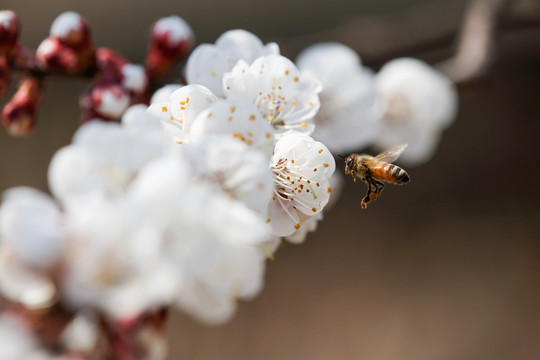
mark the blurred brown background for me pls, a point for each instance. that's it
(447, 267)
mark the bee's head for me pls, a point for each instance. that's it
(350, 164)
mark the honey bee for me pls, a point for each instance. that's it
(371, 169)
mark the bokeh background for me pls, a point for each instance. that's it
(447, 267)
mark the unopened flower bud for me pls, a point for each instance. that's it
(171, 39)
(110, 61)
(134, 78)
(19, 114)
(105, 100)
(71, 29)
(54, 55)
(9, 31)
(115, 68)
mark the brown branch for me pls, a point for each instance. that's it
(476, 41)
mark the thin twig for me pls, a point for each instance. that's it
(476, 41)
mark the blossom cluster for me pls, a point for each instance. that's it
(182, 202)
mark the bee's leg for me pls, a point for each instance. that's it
(379, 186)
(367, 199)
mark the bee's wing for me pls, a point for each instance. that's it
(389, 155)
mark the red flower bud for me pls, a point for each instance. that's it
(9, 32)
(134, 79)
(104, 99)
(72, 30)
(53, 55)
(19, 114)
(171, 39)
(110, 61)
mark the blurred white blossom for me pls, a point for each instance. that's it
(104, 158)
(419, 103)
(32, 243)
(350, 113)
(242, 173)
(210, 241)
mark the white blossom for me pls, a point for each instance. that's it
(302, 168)
(309, 225)
(166, 240)
(163, 93)
(115, 260)
(237, 119)
(32, 242)
(274, 84)
(351, 110)
(210, 242)
(31, 227)
(419, 104)
(241, 172)
(105, 157)
(208, 63)
(179, 111)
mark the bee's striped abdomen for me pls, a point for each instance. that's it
(390, 173)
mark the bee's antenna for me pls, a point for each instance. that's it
(343, 157)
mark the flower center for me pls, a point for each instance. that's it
(273, 105)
